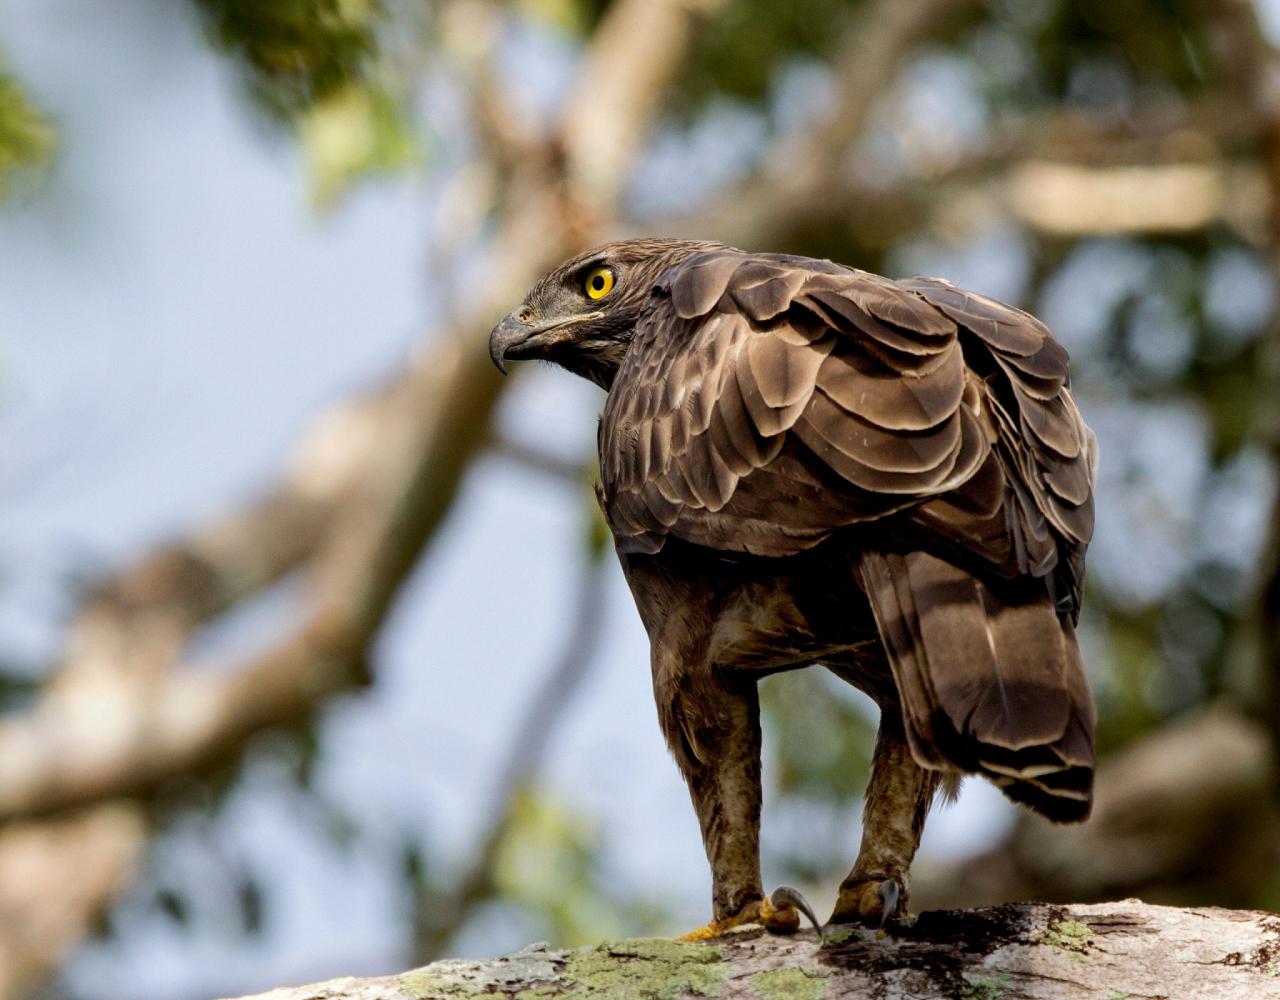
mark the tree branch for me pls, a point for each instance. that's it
(1111, 950)
(55, 876)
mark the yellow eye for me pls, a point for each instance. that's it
(598, 283)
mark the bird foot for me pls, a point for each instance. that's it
(872, 902)
(777, 914)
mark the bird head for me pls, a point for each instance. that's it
(582, 314)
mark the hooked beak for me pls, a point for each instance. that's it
(514, 338)
(507, 335)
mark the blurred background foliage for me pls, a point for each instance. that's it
(1166, 305)
(297, 53)
(26, 135)
(317, 67)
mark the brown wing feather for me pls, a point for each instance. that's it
(743, 359)
(1047, 453)
(777, 357)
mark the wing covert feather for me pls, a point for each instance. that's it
(767, 401)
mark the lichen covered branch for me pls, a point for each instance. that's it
(1031, 951)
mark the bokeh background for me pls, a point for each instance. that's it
(313, 658)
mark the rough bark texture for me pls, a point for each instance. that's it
(1117, 951)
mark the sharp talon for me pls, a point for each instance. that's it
(890, 892)
(786, 895)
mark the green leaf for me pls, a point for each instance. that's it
(26, 136)
(298, 53)
(353, 134)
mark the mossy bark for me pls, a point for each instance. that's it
(1118, 951)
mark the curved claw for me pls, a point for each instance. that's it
(872, 901)
(786, 895)
(777, 914)
(890, 891)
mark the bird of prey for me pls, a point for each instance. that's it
(803, 463)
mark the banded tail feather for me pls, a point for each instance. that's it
(990, 678)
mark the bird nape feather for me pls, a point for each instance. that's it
(778, 427)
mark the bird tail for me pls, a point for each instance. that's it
(990, 682)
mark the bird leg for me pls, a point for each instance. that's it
(711, 720)
(898, 799)
(712, 725)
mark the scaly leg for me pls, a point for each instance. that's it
(711, 720)
(898, 799)
(712, 725)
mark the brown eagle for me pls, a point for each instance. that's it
(803, 463)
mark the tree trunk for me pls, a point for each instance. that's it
(1112, 951)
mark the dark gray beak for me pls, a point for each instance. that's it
(517, 338)
(509, 334)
